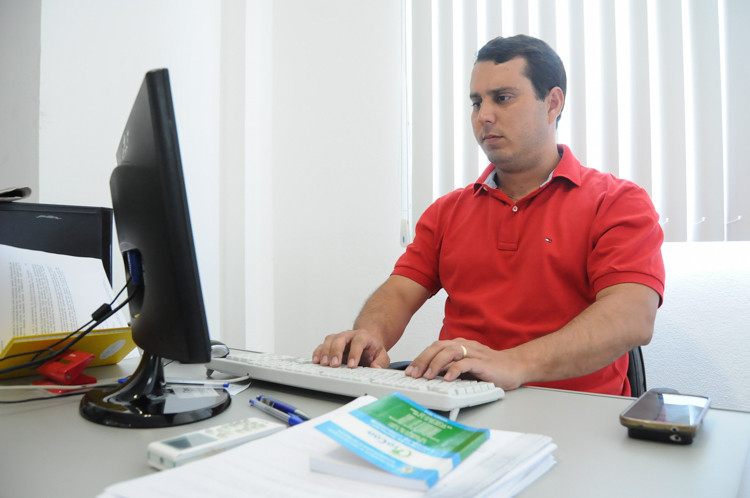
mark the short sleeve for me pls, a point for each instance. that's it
(626, 240)
(420, 260)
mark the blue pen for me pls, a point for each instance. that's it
(289, 418)
(280, 405)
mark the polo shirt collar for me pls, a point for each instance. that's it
(568, 168)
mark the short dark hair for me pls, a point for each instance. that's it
(544, 68)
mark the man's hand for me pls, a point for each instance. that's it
(353, 347)
(462, 357)
(377, 328)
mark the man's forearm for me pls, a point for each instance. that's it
(621, 318)
(388, 310)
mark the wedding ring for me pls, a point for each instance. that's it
(466, 353)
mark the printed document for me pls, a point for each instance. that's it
(46, 293)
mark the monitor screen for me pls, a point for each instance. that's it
(156, 241)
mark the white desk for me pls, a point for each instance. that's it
(48, 449)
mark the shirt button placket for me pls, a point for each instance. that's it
(509, 233)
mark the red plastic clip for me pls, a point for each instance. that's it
(66, 370)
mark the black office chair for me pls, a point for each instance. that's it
(636, 372)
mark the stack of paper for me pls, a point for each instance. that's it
(279, 466)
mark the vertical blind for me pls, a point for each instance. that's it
(657, 94)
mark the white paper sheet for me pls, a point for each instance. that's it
(45, 293)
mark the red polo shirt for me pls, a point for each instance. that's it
(515, 271)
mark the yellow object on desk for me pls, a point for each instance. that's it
(107, 345)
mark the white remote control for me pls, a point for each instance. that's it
(171, 452)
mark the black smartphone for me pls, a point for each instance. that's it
(665, 415)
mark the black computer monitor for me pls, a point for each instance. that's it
(156, 240)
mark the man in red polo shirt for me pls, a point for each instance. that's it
(553, 271)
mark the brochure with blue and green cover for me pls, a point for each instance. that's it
(404, 438)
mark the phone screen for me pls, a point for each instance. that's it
(670, 408)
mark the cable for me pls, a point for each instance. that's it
(99, 316)
(39, 351)
(101, 383)
(207, 383)
(75, 390)
(115, 381)
(40, 398)
(79, 389)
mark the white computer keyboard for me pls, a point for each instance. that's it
(435, 394)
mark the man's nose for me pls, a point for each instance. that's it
(486, 114)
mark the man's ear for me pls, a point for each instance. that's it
(555, 101)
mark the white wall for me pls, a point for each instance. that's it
(325, 213)
(330, 126)
(336, 136)
(20, 22)
(93, 58)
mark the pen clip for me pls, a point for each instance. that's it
(276, 404)
(289, 418)
(284, 407)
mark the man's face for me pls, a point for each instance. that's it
(510, 124)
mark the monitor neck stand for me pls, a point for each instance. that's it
(146, 400)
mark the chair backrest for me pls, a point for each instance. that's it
(636, 372)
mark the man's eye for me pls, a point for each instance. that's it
(502, 98)
(476, 105)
